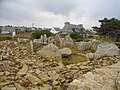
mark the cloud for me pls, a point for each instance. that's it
(49, 13)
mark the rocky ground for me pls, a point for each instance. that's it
(22, 70)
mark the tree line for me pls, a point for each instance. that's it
(109, 28)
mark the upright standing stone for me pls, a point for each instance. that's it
(31, 47)
(62, 43)
(68, 40)
(13, 34)
(57, 40)
(42, 38)
(45, 38)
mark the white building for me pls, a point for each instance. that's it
(55, 30)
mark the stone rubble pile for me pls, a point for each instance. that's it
(107, 78)
(21, 70)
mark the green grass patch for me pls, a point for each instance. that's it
(5, 37)
(74, 59)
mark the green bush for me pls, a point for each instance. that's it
(76, 36)
(37, 34)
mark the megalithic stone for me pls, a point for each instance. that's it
(31, 46)
(45, 38)
(42, 38)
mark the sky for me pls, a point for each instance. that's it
(53, 13)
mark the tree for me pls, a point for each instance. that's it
(109, 27)
(0, 29)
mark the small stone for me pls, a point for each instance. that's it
(85, 67)
(118, 85)
(55, 82)
(35, 80)
(19, 87)
(37, 71)
(90, 55)
(44, 77)
(7, 73)
(23, 71)
(63, 79)
(4, 83)
(2, 78)
(0, 57)
(1, 73)
(5, 57)
(8, 88)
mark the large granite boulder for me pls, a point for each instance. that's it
(84, 45)
(65, 52)
(106, 49)
(99, 79)
(50, 52)
(68, 40)
(51, 46)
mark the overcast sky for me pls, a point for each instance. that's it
(53, 13)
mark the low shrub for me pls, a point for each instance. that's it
(37, 34)
(76, 36)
